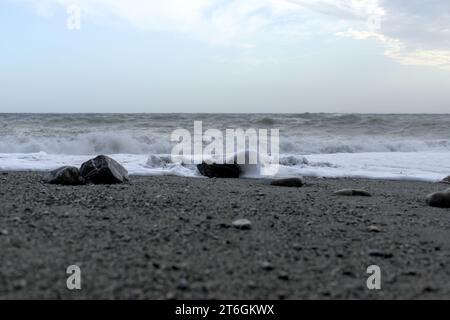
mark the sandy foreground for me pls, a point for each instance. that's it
(170, 238)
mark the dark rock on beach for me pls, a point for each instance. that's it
(64, 176)
(288, 182)
(352, 192)
(219, 170)
(446, 180)
(439, 199)
(103, 170)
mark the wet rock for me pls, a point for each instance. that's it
(352, 192)
(296, 182)
(439, 199)
(219, 170)
(103, 170)
(242, 224)
(446, 180)
(65, 176)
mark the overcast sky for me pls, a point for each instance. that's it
(225, 56)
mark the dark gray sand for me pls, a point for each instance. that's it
(170, 237)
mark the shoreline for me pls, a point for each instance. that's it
(168, 237)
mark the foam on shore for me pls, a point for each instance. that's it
(420, 166)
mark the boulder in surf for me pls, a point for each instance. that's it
(103, 170)
(446, 180)
(64, 176)
(439, 199)
(219, 170)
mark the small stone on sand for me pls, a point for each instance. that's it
(380, 254)
(266, 265)
(296, 182)
(352, 192)
(183, 284)
(373, 228)
(283, 276)
(242, 224)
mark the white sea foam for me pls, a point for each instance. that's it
(425, 166)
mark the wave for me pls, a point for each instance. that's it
(85, 144)
(124, 142)
(265, 121)
(300, 134)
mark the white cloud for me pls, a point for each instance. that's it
(226, 22)
(398, 50)
(413, 32)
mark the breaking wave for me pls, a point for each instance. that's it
(331, 145)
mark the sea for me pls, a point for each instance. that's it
(375, 146)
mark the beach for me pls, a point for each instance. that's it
(168, 237)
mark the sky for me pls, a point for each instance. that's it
(265, 56)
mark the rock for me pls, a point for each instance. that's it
(219, 170)
(171, 296)
(352, 192)
(103, 170)
(439, 199)
(183, 284)
(373, 228)
(380, 254)
(266, 265)
(288, 182)
(65, 176)
(282, 275)
(242, 224)
(446, 180)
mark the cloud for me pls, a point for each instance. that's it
(398, 50)
(224, 22)
(413, 32)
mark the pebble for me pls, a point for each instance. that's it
(283, 276)
(183, 284)
(380, 254)
(171, 296)
(352, 192)
(266, 265)
(373, 228)
(242, 224)
(288, 182)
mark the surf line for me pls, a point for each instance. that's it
(242, 144)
